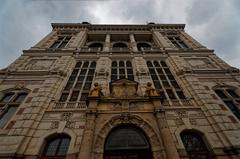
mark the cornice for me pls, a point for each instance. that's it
(118, 27)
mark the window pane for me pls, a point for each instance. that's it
(63, 44)
(129, 71)
(220, 93)
(130, 77)
(51, 149)
(114, 71)
(62, 151)
(129, 64)
(78, 85)
(156, 64)
(78, 64)
(170, 94)
(7, 97)
(20, 97)
(55, 44)
(83, 72)
(163, 64)
(91, 72)
(114, 64)
(85, 64)
(121, 71)
(121, 64)
(81, 78)
(149, 64)
(180, 95)
(87, 86)
(84, 97)
(7, 115)
(69, 85)
(157, 84)
(232, 93)
(89, 78)
(93, 65)
(74, 96)
(64, 97)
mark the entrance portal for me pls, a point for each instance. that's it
(127, 142)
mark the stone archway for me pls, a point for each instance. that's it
(154, 140)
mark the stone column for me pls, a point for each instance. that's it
(165, 133)
(42, 43)
(80, 39)
(107, 44)
(160, 40)
(133, 43)
(87, 141)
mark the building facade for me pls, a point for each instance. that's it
(119, 92)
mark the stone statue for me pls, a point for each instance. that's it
(96, 91)
(150, 91)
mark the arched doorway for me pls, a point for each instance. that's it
(127, 142)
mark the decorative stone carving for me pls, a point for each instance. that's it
(150, 91)
(66, 116)
(96, 91)
(39, 64)
(70, 124)
(54, 125)
(123, 88)
(20, 85)
(200, 63)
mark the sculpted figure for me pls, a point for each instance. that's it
(150, 91)
(96, 91)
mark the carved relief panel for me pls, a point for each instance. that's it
(200, 63)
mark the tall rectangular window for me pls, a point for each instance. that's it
(164, 81)
(177, 42)
(121, 70)
(61, 42)
(79, 83)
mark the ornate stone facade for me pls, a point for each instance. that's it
(171, 89)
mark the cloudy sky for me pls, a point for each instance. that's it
(215, 23)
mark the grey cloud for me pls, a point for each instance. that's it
(214, 23)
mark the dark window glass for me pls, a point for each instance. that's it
(159, 70)
(83, 72)
(175, 85)
(91, 71)
(122, 71)
(74, 96)
(93, 65)
(131, 77)
(81, 78)
(87, 86)
(157, 84)
(232, 93)
(163, 64)
(149, 64)
(114, 64)
(72, 78)
(194, 146)
(6, 116)
(63, 44)
(78, 85)
(84, 97)
(89, 78)
(7, 97)
(156, 64)
(55, 44)
(64, 97)
(78, 64)
(170, 94)
(114, 71)
(129, 64)
(85, 64)
(180, 95)
(220, 93)
(121, 64)
(57, 146)
(165, 84)
(129, 71)
(20, 97)
(152, 71)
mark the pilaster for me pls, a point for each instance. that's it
(107, 44)
(133, 43)
(160, 40)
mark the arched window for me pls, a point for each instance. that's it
(56, 147)
(230, 98)
(143, 45)
(127, 142)
(120, 45)
(194, 145)
(9, 104)
(96, 46)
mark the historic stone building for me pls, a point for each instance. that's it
(119, 92)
